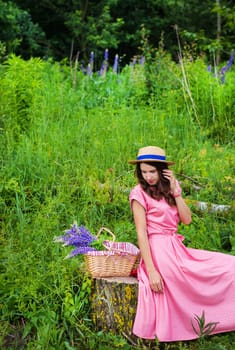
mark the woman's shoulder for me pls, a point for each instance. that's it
(138, 194)
(137, 189)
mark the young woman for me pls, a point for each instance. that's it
(176, 283)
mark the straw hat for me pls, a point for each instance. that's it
(151, 154)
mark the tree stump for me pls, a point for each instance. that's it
(113, 304)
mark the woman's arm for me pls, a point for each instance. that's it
(183, 209)
(155, 280)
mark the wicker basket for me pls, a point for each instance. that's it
(118, 260)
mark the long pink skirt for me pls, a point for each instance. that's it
(195, 282)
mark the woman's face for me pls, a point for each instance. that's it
(149, 173)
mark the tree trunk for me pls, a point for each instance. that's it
(113, 307)
(218, 32)
(113, 303)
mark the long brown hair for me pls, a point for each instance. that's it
(162, 187)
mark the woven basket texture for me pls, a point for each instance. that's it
(118, 260)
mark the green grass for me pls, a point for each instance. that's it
(64, 152)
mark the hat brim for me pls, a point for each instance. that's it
(135, 161)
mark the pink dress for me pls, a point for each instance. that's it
(195, 281)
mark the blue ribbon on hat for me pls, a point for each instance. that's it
(151, 156)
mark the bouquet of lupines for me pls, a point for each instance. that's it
(80, 238)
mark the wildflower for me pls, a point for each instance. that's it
(115, 65)
(102, 70)
(227, 67)
(141, 60)
(106, 55)
(79, 250)
(79, 237)
(133, 63)
(92, 60)
(104, 66)
(89, 69)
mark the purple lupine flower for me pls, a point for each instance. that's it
(79, 250)
(73, 229)
(92, 58)
(227, 67)
(133, 61)
(89, 70)
(104, 66)
(82, 240)
(91, 63)
(115, 65)
(106, 54)
(76, 236)
(101, 71)
(141, 60)
(209, 68)
(86, 235)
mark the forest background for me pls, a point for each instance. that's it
(83, 85)
(60, 29)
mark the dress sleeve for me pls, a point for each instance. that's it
(137, 194)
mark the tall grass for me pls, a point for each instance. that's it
(64, 151)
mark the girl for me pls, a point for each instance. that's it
(176, 283)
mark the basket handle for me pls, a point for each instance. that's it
(107, 230)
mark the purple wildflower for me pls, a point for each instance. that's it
(79, 250)
(101, 71)
(91, 64)
(141, 60)
(79, 237)
(92, 58)
(89, 70)
(133, 61)
(115, 65)
(104, 66)
(76, 236)
(106, 54)
(227, 67)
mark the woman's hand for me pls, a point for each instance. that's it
(183, 209)
(156, 282)
(169, 175)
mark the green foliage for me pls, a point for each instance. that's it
(19, 85)
(65, 141)
(203, 329)
(85, 26)
(100, 33)
(211, 99)
(17, 31)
